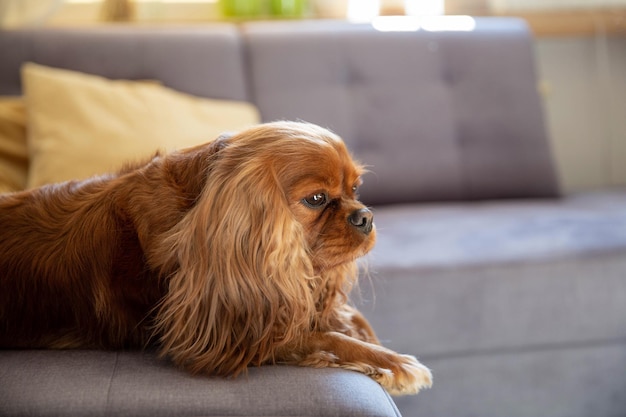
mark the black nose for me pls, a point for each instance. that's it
(362, 219)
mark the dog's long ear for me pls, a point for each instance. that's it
(189, 168)
(242, 286)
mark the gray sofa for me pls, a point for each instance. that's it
(514, 295)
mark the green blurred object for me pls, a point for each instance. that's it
(241, 8)
(288, 8)
(251, 9)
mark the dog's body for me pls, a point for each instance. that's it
(235, 253)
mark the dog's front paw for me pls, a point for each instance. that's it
(405, 376)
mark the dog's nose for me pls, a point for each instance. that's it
(362, 219)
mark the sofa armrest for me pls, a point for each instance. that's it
(103, 383)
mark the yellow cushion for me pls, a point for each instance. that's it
(13, 151)
(81, 125)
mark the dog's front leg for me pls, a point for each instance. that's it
(398, 374)
(349, 321)
(360, 326)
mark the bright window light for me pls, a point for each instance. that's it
(396, 23)
(424, 7)
(368, 10)
(360, 11)
(448, 23)
(427, 23)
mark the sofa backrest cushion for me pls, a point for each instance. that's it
(436, 115)
(206, 61)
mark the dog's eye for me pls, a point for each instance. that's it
(316, 200)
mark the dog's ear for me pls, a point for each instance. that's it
(190, 167)
(241, 287)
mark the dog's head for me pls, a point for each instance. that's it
(305, 172)
(270, 244)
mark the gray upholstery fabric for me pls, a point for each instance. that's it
(518, 307)
(579, 381)
(436, 115)
(94, 383)
(488, 308)
(463, 235)
(205, 61)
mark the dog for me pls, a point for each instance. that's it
(240, 252)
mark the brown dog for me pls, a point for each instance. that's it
(235, 253)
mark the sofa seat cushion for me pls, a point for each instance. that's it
(581, 381)
(519, 274)
(102, 383)
(495, 297)
(466, 234)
